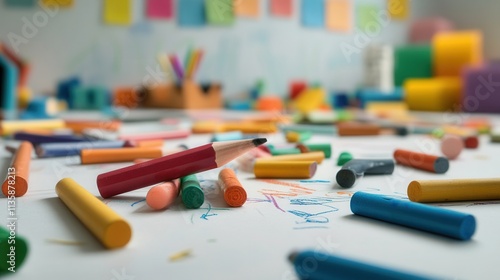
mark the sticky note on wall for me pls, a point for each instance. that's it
(118, 12)
(220, 12)
(191, 13)
(159, 9)
(366, 16)
(281, 8)
(19, 3)
(398, 9)
(313, 13)
(58, 3)
(338, 15)
(246, 8)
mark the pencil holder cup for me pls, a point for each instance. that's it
(187, 95)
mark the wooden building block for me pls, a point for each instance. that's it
(436, 94)
(412, 61)
(23, 68)
(455, 50)
(423, 30)
(129, 97)
(89, 98)
(481, 91)
(8, 88)
(64, 89)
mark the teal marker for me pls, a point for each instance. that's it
(191, 192)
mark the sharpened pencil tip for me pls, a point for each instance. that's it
(259, 141)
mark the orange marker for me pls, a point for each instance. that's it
(163, 195)
(234, 194)
(422, 161)
(16, 181)
(88, 156)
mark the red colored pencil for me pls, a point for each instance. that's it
(170, 167)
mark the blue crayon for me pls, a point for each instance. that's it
(320, 266)
(37, 139)
(46, 150)
(8, 88)
(415, 215)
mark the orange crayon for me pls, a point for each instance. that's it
(147, 143)
(422, 161)
(89, 156)
(357, 129)
(234, 193)
(163, 195)
(16, 181)
(79, 126)
(160, 135)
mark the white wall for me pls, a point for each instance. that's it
(76, 42)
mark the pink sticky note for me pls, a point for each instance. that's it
(159, 9)
(281, 8)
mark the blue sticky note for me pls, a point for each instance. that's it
(191, 13)
(19, 3)
(313, 13)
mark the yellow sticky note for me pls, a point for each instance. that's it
(59, 3)
(398, 9)
(338, 15)
(117, 12)
(246, 8)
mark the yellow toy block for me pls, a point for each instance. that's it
(454, 50)
(436, 94)
(309, 100)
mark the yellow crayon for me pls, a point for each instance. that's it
(285, 169)
(311, 156)
(10, 127)
(111, 229)
(454, 190)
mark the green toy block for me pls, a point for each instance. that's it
(412, 61)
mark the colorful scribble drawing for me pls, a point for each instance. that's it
(269, 198)
(209, 212)
(292, 189)
(318, 217)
